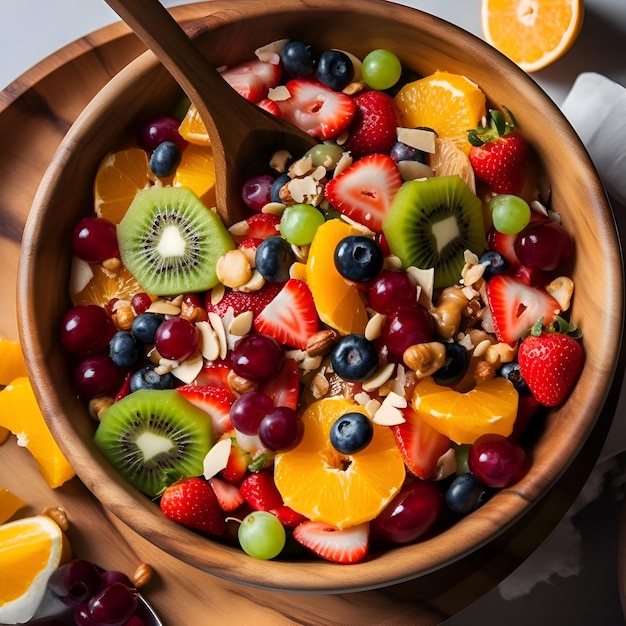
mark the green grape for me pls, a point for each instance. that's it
(461, 454)
(381, 69)
(299, 222)
(261, 535)
(510, 214)
(326, 154)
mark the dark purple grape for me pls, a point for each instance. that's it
(496, 461)
(75, 582)
(95, 240)
(257, 357)
(113, 605)
(257, 191)
(86, 329)
(281, 429)
(177, 339)
(98, 376)
(391, 290)
(82, 616)
(407, 326)
(248, 410)
(543, 245)
(113, 576)
(159, 129)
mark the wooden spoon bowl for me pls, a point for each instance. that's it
(424, 44)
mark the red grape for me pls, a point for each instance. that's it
(257, 191)
(496, 461)
(159, 129)
(406, 327)
(86, 329)
(177, 339)
(281, 429)
(98, 376)
(75, 582)
(95, 240)
(113, 605)
(257, 357)
(543, 245)
(390, 290)
(248, 410)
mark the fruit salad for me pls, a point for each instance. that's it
(358, 363)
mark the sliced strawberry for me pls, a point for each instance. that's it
(253, 79)
(260, 492)
(214, 401)
(254, 301)
(290, 317)
(515, 307)
(419, 443)
(349, 545)
(316, 109)
(270, 106)
(260, 226)
(527, 407)
(238, 461)
(214, 374)
(532, 276)
(364, 191)
(284, 388)
(193, 503)
(228, 495)
(503, 245)
(124, 390)
(374, 126)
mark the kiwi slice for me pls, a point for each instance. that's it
(155, 437)
(431, 222)
(171, 242)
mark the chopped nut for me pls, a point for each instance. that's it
(239, 229)
(449, 311)
(353, 88)
(499, 353)
(255, 282)
(471, 274)
(301, 167)
(425, 358)
(279, 93)
(190, 311)
(319, 386)
(425, 279)
(97, 406)
(414, 170)
(270, 53)
(484, 371)
(379, 378)
(389, 413)
(57, 515)
(239, 384)
(321, 342)
(112, 265)
(188, 370)
(344, 161)
(561, 289)
(419, 138)
(279, 161)
(233, 269)
(218, 327)
(163, 307)
(276, 208)
(123, 316)
(142, 575)
(446, 465)
(209, 341)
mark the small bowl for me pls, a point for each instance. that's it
(230, 34)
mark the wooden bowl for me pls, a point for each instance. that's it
(424, 43)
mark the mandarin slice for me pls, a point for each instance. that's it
(448, 103)
(119, 177)
(19, 412)
(192, 128)
(11, 361)
(10, 504)
(532, 33)
(31, 549)
(448, 159)
(488, 408)
(196, 171)
(338, 489)
(105, 286)
(339, 304)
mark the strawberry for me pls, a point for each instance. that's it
(270, 106)
(316, 109)
(419, 443)
(527, 406)
(260, 226)
(364, 190)
(499, 154)
(374, 126)
(193, 503)
(228, 495)
(238, 461)
(503, 244)
(253, 79)
(284, 388)
(214, 373)
(349, 545)
(214, 401)
(291, 317)
(260, 492)
(240, 302)
(550, 363)
(515, 307)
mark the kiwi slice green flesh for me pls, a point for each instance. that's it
(171, 242)
(431, 222)
(155, 437)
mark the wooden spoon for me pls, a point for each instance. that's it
(243, 136)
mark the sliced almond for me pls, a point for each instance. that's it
(189, 369)
(389, 413)
(270, 53)
(418, 138)
(380, 377)
(80, 275)
(374, 326)
(209, 342)
(241, 324)
(414, 170)
(279, 94)
(218, 327)
(163, 307)
(216, 458)
(426, 280)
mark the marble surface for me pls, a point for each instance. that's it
(585, 543)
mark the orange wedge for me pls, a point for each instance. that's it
(31, 549)
(448, 103)
(11, 361)
(196, 171)
(192, 128)
(10, 504)
(338, 304)
(448, 159)
(327, 486)
(532, 33)
(19, 412)
(489, 408)
(119, 177)
(105, 286)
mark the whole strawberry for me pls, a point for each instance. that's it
(550, 363)
(499, 154)
(192, 502)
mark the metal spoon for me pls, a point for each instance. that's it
(240, 131)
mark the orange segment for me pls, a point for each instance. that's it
(489, 408)
(326, 486)
(119, 177)
(10, 504)
(30, 550)
(19, 412)
(338, 304)
(106, 285)
(533, 33)
(196, 171)
(448, 159)
(11, 361)
(450, 104)
(192, 128)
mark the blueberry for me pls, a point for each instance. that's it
(273, 259)
(123, 349)
(277, 185)
(465, 494)
(354, 358)
(455, 366)
(164, 159)
(494, 263)
(358, 258)
(511, 371)
(298, 59)
(148, 378)
(335, 69)
(351, 433)
(144, 327)
(403, 152)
